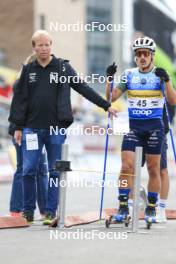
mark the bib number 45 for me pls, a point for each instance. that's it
(142, 103)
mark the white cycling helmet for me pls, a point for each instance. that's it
(144, 43)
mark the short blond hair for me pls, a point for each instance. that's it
(38, 34)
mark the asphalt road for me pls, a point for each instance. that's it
(86, 244)
(89, 243)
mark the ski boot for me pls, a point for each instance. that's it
(122, 215)
(150, 215)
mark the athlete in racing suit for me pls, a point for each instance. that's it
(145, 107)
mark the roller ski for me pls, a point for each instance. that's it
(121, 217)
(150, 215)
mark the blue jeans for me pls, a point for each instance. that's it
(52, 144)
(16, 200)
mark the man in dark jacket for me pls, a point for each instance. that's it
(42, 101)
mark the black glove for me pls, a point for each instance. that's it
(160, 72)
(111, 70)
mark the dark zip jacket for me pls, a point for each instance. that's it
(21, 101)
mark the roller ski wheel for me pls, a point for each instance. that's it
(150, 216)
(149, 222)
(118, 219)
(122, 215)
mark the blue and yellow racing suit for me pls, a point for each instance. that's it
(145, 108)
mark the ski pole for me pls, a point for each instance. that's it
(106, 153)
(169, 121)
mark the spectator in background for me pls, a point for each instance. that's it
(16, 200)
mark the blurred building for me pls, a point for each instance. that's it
(161, 26)
(90, 52)
(16, 27)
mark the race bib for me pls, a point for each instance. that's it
(145, 103)
(31, 141)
